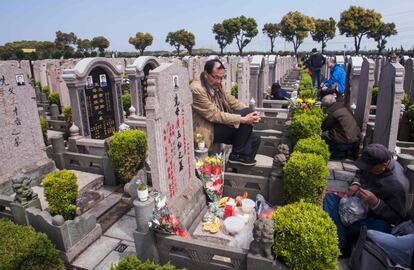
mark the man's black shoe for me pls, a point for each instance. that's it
(242, 160)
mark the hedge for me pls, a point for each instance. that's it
(314, 144)
(305, 125)
(128, 150)
(22, 248)
(131, 262)
(61, 191)
(305, 237)
(305, 177)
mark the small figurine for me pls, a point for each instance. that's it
(262, 238)
(22, 188)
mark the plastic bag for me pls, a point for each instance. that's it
(352, 209)
(263, 208)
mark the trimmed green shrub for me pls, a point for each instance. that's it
(126, 102)
(37, 83)
(46, 90)
(234, 90)
(61, 190)
(405, 100)
(314, 144)
(128, 150)
(305, 237)
(308, 93)
(305, 177)
(305, 125)
(53, 98)
(43, 126)
(67, 112)
(21, 247)
(131, 262)
(125, 87)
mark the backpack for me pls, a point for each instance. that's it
(368, 256)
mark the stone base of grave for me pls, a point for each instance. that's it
(80, 246)
(145, 246)
(36, 172)
(262, 263)
(19, 210)
(189, 205)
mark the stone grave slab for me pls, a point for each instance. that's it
(122, 229)
(21, 143)
(170, 133)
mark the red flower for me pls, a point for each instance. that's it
(216, 169)
(180, 232)
(173, 221)
(306, 107)
(217, 182)
(206, 168)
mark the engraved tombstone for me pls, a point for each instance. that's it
(95, 94)
(356, 63)
(256, 78)
(170, 140)
(243, 79)
(22, 149)
(389, 105)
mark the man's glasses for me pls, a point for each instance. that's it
(218, 78)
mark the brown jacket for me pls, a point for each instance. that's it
(341, 124)
(206, 113)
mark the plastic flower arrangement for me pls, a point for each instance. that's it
(164, 221)
(211, 173)
(301, 105)
(199, 138)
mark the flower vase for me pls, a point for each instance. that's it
(143, 195)
(201, 145)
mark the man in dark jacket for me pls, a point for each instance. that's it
(315, 63)
(380, 183)
(340, 130)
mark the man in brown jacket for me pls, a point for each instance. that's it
(340, 130)
(221, 118)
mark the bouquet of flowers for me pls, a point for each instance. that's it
(301, 105)
(211, 172)
(164, 221)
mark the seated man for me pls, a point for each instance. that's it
(382, 184)
(278, 93)
(221, 118)
(336, 83)
(340, 130)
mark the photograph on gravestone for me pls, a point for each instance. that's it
(21, 143)
(100, 106)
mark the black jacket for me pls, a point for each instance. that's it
(315, 61)
(341, 124)
(391, 187)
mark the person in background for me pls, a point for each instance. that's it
(336, 82)
(221, 118)
(339, 129)
(315, 63)
(382, 184)
(278, 93)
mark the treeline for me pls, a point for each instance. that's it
(355, 22)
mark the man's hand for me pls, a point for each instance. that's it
(352, 189)
(368, 197)
(251, 118)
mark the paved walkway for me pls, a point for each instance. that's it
(116, 243)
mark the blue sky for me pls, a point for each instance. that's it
(118, 20)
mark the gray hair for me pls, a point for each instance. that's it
(327, 101)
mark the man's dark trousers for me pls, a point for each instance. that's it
(244, 141)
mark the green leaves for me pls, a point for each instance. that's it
(324, 31)
(222, 35)
(141, 41)
(21, 247)
(381, 33)
(272, 30)
(357, 22)
(181, 38)
(314, 144)
(305, 237)
(101, 43)
(127, 151)
(295, 28)
(305, 177)
(242, 28)
(61, 191)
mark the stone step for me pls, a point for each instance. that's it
(88, 181)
